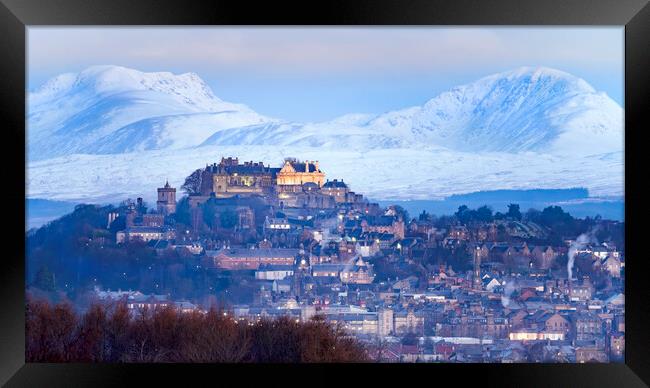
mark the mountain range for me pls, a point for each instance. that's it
(531, 127)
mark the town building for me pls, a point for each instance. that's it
(295, 173)
(144, 233)
(166, 203)
(230, 178)
(251, 259)
(273, 272)
(336, 189)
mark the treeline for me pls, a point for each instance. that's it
(559, 223)
(76, 253)
(55, 333)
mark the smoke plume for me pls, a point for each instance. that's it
(580, 243)
(507, 291)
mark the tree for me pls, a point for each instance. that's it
(228, 219)
(210, 212)
(502, 233)
(182, 214)
(533, 215)
(484, 214)
(463, 214)
(401, 212)
(111, 334)
(192, 184)
(45, 279)
(514, 212)
(410, 339)
(554, 215)
(380, 348)
(49, 332)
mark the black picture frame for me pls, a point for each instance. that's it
(17, 15)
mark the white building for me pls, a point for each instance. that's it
(273, 272)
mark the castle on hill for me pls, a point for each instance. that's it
(230, 177)
(296, 183)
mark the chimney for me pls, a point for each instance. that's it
(306, 166)
(316, 165)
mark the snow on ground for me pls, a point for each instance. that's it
(398, 173)
(110, 132)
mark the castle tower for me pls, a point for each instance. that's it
(166, 199)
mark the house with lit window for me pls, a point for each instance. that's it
(273, 272)
(326, 270)
(408, 321)
(336, 189)
(358, 273)
(144, 233)
(273, 224)
(251, 259)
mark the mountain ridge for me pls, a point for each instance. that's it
(78, 113)
(531, 127)
(553, 109)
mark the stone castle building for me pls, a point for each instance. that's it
(166, 203)
(297, 184)
(230, 178)
(294, 174)
(337, 189)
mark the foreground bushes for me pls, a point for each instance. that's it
(111, 334)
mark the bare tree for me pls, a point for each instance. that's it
(380, 347)
(109, 334)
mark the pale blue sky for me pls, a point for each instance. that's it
(314, 74)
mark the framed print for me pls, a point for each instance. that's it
(360, 184)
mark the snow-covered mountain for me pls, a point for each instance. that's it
(528, 109)
(112, 109)
(525, 128)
